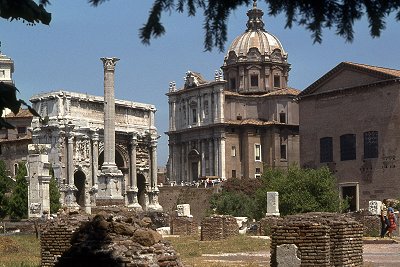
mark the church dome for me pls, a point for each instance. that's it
(255, 38)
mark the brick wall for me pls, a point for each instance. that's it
(183, 226)
(323, 239)
(218, 227)
(267, 223)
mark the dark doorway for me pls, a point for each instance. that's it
(141, 184)
(350, 193)
(194, 160)
(79, 181)
(195, 171)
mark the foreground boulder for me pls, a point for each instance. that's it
(104, 240)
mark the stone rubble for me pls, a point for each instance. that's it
(104, 240)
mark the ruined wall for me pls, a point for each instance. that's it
(197, 198)
(104, 240)
(323, 239)
(218, 227)
(267, 223)
(183, 226)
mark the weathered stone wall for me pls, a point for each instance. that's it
(266, 224)
(371, 223)
(323, 239)
(104, 240)
(218, 227)
(183, 226)
(197, 198)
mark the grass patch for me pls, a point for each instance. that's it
(19, 250)
(191, 248)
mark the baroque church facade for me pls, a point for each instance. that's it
(243, 121)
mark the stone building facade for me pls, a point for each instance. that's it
(244, 120)
(349, 121)
(13, 142)
(72, 124)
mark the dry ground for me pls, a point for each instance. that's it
(24, 251)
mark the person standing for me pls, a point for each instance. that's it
(384, 221)
(392, 221)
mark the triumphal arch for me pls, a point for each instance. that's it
(102, 150)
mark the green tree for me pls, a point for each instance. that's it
(5, 188)
(18, 205)
(300, 190)
(55, 204)
(236, 198)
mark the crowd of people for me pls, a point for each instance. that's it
(388, 221)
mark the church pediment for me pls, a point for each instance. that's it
(349, 75)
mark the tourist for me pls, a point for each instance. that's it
(384, 220)
(392, 221)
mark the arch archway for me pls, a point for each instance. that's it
(79, 181)
(119, 159)
(141, 184)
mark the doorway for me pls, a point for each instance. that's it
(350, 192)
(141, 184)
(79, 181)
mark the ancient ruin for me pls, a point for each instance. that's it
(106, 239)
(102, 150)
(322, 239)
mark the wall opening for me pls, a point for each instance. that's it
(79, 181)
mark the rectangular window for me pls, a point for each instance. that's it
(258, 170)
(277, 81)
(257, 176)
(21, 130)
(347, 147)
(325, 149)
(233, 173)
(283, 151)
(254, 80)
(257, 152)
(282, 117)
(370, 144)
(194, 113)
(233, 151)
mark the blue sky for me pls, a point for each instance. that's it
(65, 55)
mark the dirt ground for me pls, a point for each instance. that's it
(375, 255)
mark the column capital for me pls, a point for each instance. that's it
(109, 62)
(95, 137)
(134, 138)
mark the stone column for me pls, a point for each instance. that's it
(154, 205)
(215, 106)
(221, 105)
(216, 159)
(109, 114)
(222, 157)
(210, 157)
(70, 188)
(132, 190)
(111, 177)
(203, 157)
(209, 109)
(95, 167)
(199, 118)
(182, 167)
